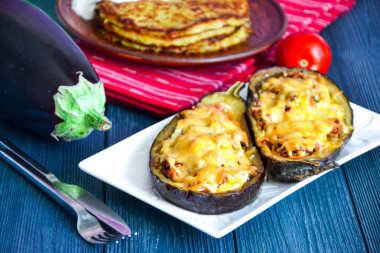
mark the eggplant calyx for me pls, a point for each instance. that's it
(81, 107)
(98, 121)
(235, 89)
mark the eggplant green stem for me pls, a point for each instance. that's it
(81, 107)
(98, 121)
(235, 89)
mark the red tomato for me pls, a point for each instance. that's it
(304, 49)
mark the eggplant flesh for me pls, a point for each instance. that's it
(295, 168)
(202, 201)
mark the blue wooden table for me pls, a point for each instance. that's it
(340, 212)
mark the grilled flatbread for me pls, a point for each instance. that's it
(164, 42)
(197, 28)
(175, 26)
(205, 46)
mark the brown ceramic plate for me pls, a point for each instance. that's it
(268, 23)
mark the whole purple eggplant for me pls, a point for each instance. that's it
(46, 82)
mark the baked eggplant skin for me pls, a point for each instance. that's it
(293, 170)
(206, 202)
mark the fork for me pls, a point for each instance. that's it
(96, 223)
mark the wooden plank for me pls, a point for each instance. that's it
(316, 218)
(32, 221)
(47, 6)
(152, 230)
(354, 41)
(363, 176)
(356, 67)
(330, 214)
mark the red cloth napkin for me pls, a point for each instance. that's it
(164, 90)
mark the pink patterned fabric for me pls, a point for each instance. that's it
(164, 90)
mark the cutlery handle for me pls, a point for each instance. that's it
(41, 177)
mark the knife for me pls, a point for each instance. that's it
(55, 188)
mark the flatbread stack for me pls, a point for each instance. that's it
(175, 26)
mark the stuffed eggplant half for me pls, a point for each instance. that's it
(204, 161)
(300, 120)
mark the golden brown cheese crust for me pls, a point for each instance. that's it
(298, 116)
(205, 152)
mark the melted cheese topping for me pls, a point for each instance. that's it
(298, 117)
(205, 152)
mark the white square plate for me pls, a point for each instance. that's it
(125, 166)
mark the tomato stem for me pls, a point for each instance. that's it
(304, 63)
